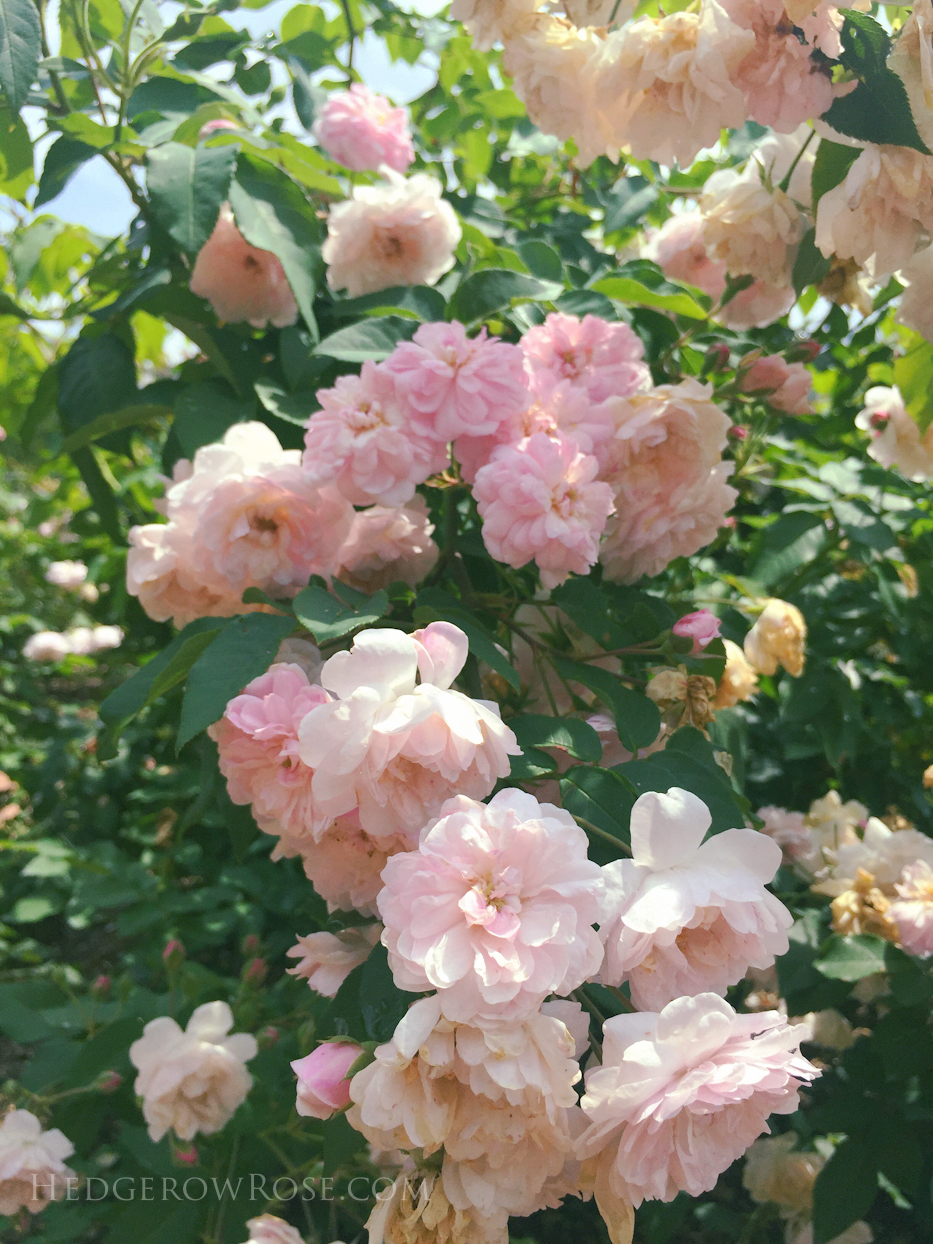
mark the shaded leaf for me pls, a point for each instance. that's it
(187, 186)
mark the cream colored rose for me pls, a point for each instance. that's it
(739, 681)
(912, 61)
(777, 638)
(775, 1172)
(192, 1080)
(752, 230)
(32, 1167)
(494, 21)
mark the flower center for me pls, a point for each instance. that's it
(366, 417)
(492, 905)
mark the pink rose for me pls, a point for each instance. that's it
(702, 627)
(785, 386)
(361, 130)
(323, 1087)
(240, 281)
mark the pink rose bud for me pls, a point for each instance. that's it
(213, 127)
(109, 1081)
(702, 627)
(804, 351)
(268, 1036)
(250, 944)
(2, 434)
(173, 954)
(879, 419)
(188, 1156)
(101, 986)
(716, 359)
(255, 972)
(737, 432)
(323, 1087)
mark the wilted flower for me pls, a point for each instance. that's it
(361, 130)
(778, 638)
(684, 699)
(240, 281)
(776, 1171)
(32, 1163)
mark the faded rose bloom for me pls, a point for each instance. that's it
(540, 500)
(69, 575)
(778, 637)
(267, 1229)
(879, 213)
(881, 854)
(492, 21)
(464, 913)
(687, 916)
(323, 1086)
(896, 440)
(32, 1163)
(394, 748)
(400, 232)
(46, 646)
(388, 545)
(776, 1171)
(738, 682)
(363, 441)
(912, 61)
(684, 699)
(682, 1094)
(327, 959)
(453, 385)
(912, 911)
(785, 386)
(662, 85)
(749, 228)
(192, 1080)
(361, 130)
(668, 478)
(680, 252)
(600, 358)
(418, 1212)
(240, 281)
(702, 627)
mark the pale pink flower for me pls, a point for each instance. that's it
(345, 864)
(87, 640)
(454, 385)
(327, 959)
(702, 627)
(363, 441)
(785, 386)
(257, 739)
(915, 308)
(681, 1094)
(267, 1229)
(323, 1086)
(757, 306)
(912, 910)
(782, 85)
(912, 60)
(192, 1080)
(361, 130)
(158, 571)
(240, 281)
(540, 500)
(896, 440)
(396, 749)
(495, 907)
(400, 232)
(491, 21)
(601, 358)
(662, 85)
(668, 478)
(46, 646)
(69, 575)
(32, 1163)
(680, 252)
(685, 916)
(789, 830)
(387, 546)
(749, 227)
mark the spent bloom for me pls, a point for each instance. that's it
(738, 682)
(912, 910)
(387, 545)
(494, 908)
(363, 441)
(361, 130)
(69, 575)
(323, 1086)
(240, 281)
(785, 386)
(32, 1163)
(400, 232)
(395, 748)
(193, 1079)
(601, 358)
(896, 439)
(685, 916)
(776, 1171)
(702, 627)
(327, 959)
(540, 500)
(681, 1094)
(778, 637)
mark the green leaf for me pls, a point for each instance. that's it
(369, 339)
(684, 764)
(913, 375)
(204, 412)
(570, 733)
(601, 796)
(62, 161)
(494, 289)
(810, 266)
(833, 161)
(20, 49)
(434, 604)
(381, 1001)
(845, 1189)
(327, 618)
(272, 214)
(122, 705)
(177, 669)
(786, 545)
(114, 421)
(187, 186)
(420, 300)
(865, 44)
(100, 492)
(587, 606)
(638, 719)
(243, 650)
(541, 260)
(851, 958)
(17, 169)
(625, 289)
(96, 377)
(294, 408)
(627, 203)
